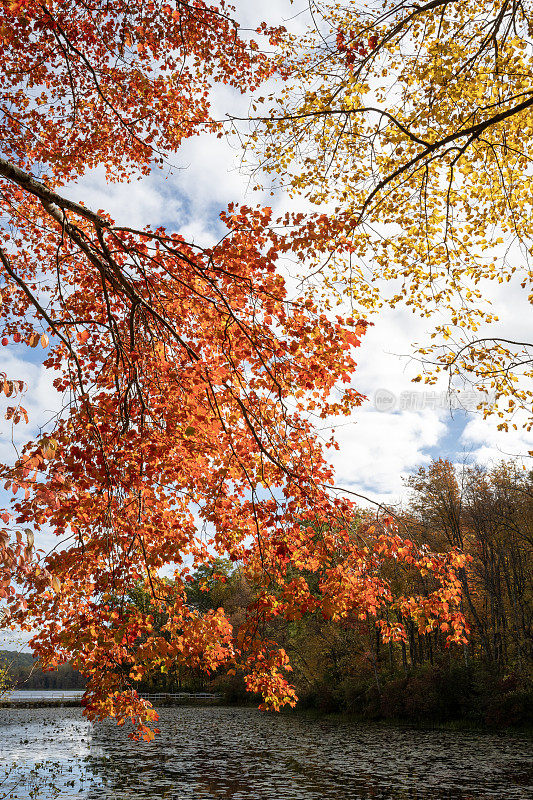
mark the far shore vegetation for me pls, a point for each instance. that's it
(343, 667)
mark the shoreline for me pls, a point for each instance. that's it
(76, 703)
(459, 724)
(314, 715)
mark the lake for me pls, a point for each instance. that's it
(243, 754)
(43, 694)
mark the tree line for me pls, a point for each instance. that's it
(21, 671)
(343, 664)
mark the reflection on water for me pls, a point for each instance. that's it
(43, 694)
(243, 754)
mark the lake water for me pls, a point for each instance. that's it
(42, 694)
(243, 754)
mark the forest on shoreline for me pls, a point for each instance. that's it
(22, 671)
(344, 666)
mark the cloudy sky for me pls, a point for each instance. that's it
(402, 425)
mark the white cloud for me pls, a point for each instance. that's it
(40, 399)
(488, 445)
(14, 640)
(135, 204)
(378, 449)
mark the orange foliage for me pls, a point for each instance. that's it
(190, 375)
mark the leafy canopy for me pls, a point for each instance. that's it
(190, 376)
(411, 127)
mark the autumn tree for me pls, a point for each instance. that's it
(410, 128)
(5, 678)
(499, 515)
(190, 376)
(488, 514)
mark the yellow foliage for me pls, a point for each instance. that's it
(411, 128)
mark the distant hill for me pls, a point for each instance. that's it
(16, 658)
(26, 674)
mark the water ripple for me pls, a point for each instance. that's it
(243, 754)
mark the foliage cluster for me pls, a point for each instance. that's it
(409, 127)
(344, 666)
